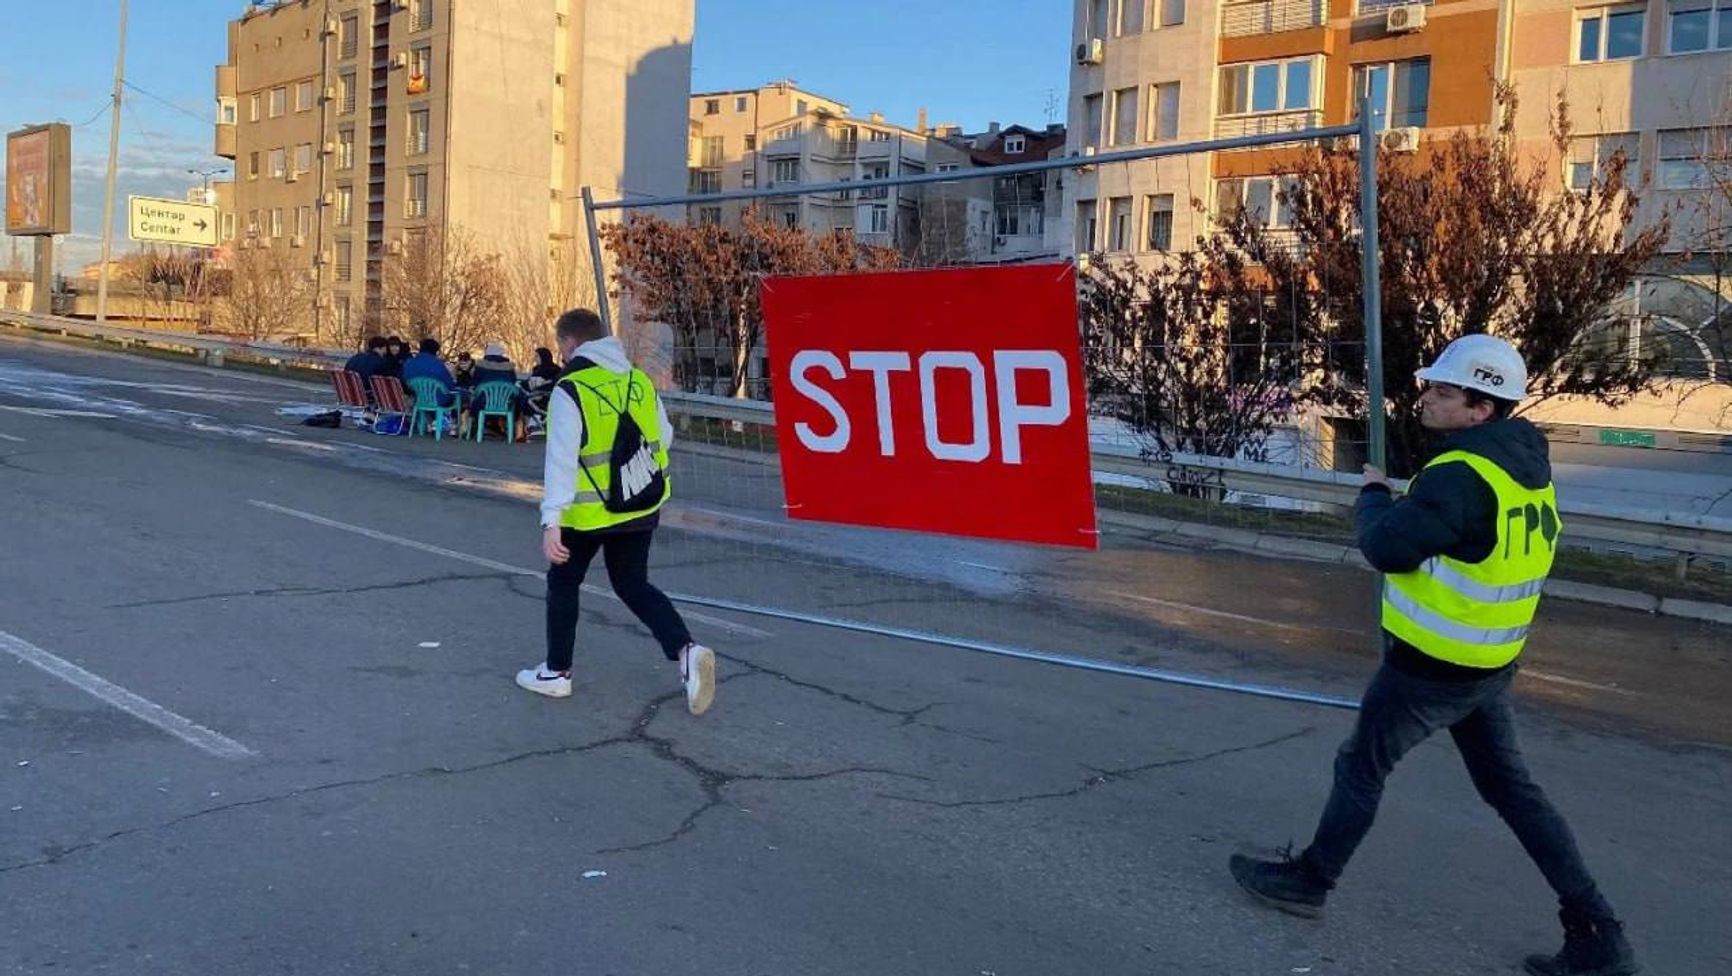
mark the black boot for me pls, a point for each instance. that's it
(1592, 947)
(1286, 885)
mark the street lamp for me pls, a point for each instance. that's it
(206, 174)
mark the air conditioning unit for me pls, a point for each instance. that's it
(399, 4)
(1091, 51)
(329, 148)
(267, 242)
(324, 301)
(1404, 19)
(1401, 140)
(297, 241)
(292, 176)
(331, 26)
(330, 93)
(247, 244)
(394, 247)
(322, 258)
(400, 59)
(328, 198)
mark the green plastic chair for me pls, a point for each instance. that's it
(495, 399)
(429, 394)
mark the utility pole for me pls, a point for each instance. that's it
(113, 159)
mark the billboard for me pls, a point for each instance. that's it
(39, 180)
(947, 401)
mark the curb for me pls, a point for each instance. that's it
(1308, 550)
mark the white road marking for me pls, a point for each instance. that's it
(9, 437)
(481, 561)
(1558, 679)
(1225, 615)
(56, 412)
(138, 707)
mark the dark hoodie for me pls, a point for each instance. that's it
(1448, 510)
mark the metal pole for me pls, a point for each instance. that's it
(113, 159)
(1373, 286)
(600, 272)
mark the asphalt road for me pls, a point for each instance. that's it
(334, 774)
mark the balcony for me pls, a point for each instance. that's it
(1272, 16)
(225, 140)
(1231, 126)
(794, 145)
(225, 81)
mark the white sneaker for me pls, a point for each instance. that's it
(698, 671)
(544, 682)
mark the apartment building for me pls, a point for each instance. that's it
(358, 126)
(780, 134)
(1025, 207)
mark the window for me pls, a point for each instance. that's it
(1130, 17)
(420, 14)
(1125, 116)
(709, 216)
(304, 158)
(252, 223)
(712, 155)
(279, 102)
(345, 148)
(706, 181)
(949, 167)
(1092, 118)
(1400, 92)
(1018, 220)
(749, 179)
(1014, 145)
(1119, 224)
(712, 106)
(800, 107)
(252, 166)
(228, 226)
(1698, 25)
(751, 142)
(276, 221)
(1160, 222)
(253, 107)
(1098, 24)
(785, 171)
(348, 36)
(345, 205)
(1267, 86)
(420, 70)
(1264, 196)
(415, 195)
(279, 163)
(420, 122)
(1164, 111)
(740, 103)
(303, 96)
(791, 218)
(1086, 220)
(880, 219)
(1590, 154)
(303, 221)
(877, 135)
(1609, 33)
(346, 92)
(1684, 156)
(345, 261)
(1172, 12)
(340, 316)
(226, 112)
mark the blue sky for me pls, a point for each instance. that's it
(965, 61)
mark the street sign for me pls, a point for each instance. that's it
(946, 401)
(163, 221)
(1628, 438)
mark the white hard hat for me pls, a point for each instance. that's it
(1480, 362)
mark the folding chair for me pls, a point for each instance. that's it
(391, 401)
(352, 396)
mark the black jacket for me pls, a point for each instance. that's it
(1448, 510)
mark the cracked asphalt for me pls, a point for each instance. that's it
(853, 804)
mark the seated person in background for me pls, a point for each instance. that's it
(369, 362)
(495, 367)
(538, 388)
(396, 353)
(427, 363)
(545, 366)
(464, 370)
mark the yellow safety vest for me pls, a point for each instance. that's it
(1478, 614)
(600, 395)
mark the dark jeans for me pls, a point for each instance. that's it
(627, 557)
(1400, 711)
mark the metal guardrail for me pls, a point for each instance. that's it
(1683, 533)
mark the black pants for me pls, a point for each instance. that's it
(627, 557)
(1400, 711)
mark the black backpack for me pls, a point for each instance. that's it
(636, 481)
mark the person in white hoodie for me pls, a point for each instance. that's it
(600, 401)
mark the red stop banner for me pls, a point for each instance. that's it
(937, 401)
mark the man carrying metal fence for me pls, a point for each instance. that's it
(605, 481)
(1466, 552)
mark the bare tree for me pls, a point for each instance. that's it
(269, 293)
(446, 286)
(542, 279)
